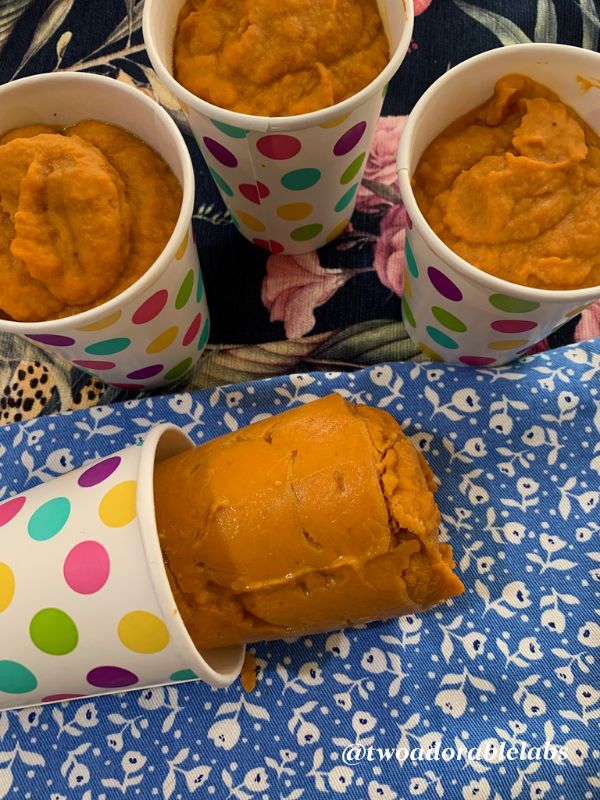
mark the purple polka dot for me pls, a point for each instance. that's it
(221, 153)
(10, 509)
(350, 139)
(278, 146)
(477, 361)
(150, 308)
(513, 325)
(444, 285)
(109, 677)
(99, 472)
(54, 340)
(95, 364)
(145, 372)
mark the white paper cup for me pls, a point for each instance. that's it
(85, 603)
(289, 183)
(156, 330)
(453, 311)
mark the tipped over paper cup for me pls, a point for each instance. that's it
(85, 602)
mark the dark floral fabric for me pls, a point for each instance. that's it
(338, 308)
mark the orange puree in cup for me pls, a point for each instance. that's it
(84, 213)
(513, 187)
(278, 58)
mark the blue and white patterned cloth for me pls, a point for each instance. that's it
(514, 660)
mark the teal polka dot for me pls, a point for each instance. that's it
(222, 184)
(49, 519)
(204, 335)
(179, 369)
(108, 347)
(185, 290)
(183, 675)
(230, 130)
(299, 179)
(352, 170)
(441, 338)
(15, 678)
(448, 320)
(235, 221)
(346, 198)
(407, 313)
(513, 305)
(410, 260)
(199, 288)
(306, 232)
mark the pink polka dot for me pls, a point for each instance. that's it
(99, 472)
(513, 325)
(150, 308)
(130, 387)
(220, 152)
(254, 193)
(10, 509)
(409, 222)
(278, 146)
(272, 246)
(54, 698)
(350, 139)
(192, 331)
(95, 364)
(87, 567)
(477, 361)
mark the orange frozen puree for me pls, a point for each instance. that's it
(276, 58)
(513, 187)
(83, 214)
(315, 519)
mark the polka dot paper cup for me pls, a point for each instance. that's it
(289, 183)
(156, 330)
(85, 603)
(453, 311)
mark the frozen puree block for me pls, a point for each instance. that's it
(312, 520)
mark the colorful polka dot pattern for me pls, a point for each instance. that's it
(144, 344)
(87, 593)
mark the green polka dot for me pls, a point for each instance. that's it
(351, 171)
(441, 338)
(384, 90)
(407, 313)
(15, 678)
(222, 184)
(230, 130)
(513, 305)
(53, 632)
(410, 260)
(199, 288)
(183, 675)
(346, 198)
(108, 347)
(49, 519)
(204, 335)
(235, 221)
(186, 289)
(299, 179)
(306, 232)
(179, 370)
(448, 320)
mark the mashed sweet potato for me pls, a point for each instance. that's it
(278, 58)
(513, 187)
(83, 213)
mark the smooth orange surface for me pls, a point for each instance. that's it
(83, 213)
(277, 58)
(313, 520)
(514, 188)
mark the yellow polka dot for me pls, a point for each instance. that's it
(250, 222)
(508, 344)
(184, 107)
(294, 211)
(117, 507)
(407, 289)
(103, 323)
(143, 632)
(337, 231)
(334, 122)
(429, 352)
(163, 340)
(577, 310)
(182, 247)
(7, 586)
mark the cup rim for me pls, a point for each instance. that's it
(261, 123)
(181, 226)
(468, 270)
(155, 564)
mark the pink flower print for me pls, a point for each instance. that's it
(421, 6)
(294, 286)
(589, 324)
(389, 259)
(381, 165)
